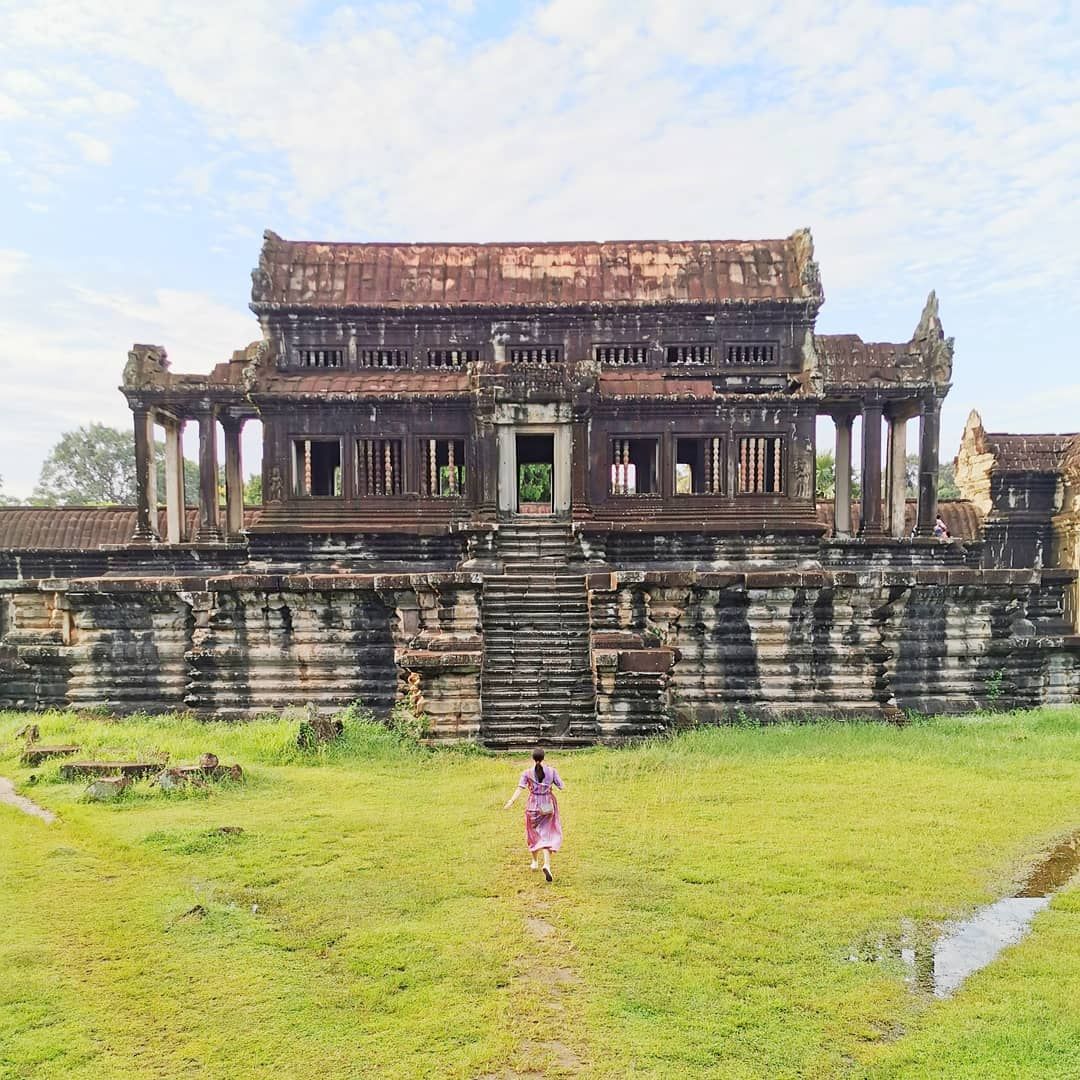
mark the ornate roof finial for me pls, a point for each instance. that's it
(930, 340)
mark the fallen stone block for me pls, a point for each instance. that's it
(107, 787)
(35, 755)
(130, 769)
(178, 776)
(318, 730)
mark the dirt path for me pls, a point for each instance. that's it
(548, 982)
(8, 796)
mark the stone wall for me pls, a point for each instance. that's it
(240, 645)
(850, 643)
(667, 646)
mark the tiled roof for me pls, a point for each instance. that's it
(847, 359)
(961, 517)
(1030, 453)
(363, 383)
(77, 528)
(312, 274)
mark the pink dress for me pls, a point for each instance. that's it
(542, 830)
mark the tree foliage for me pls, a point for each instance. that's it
(94, 465)
(6, 500)
(253, 490)
(826, 478)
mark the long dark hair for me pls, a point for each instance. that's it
(538, 771)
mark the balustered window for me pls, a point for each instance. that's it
(689, 355)
(442, 468)
(621, 355)
(384, 358)
(451, 357)
(699, 466)
(380, 467)
(761, 465)
(319, 356)
(751, 354)
(634, 466)
(317, 467)
(534, 355)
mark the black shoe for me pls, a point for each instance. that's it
(547, 873)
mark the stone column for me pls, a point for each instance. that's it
(896, 483)
(175, 510)
(842, 503)
(234, 478)
(929, 440)
(871, 526)
(145, 479)
(209, 530)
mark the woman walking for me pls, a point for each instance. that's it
(543, 830)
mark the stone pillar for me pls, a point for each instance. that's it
(175, 510)
(234, 478)
(896, 482)
(871, 526)
(842, 503)
(145, 479)
(929, 440)
(209, 530)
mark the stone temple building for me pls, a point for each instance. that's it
(558, 492)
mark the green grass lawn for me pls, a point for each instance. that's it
(376, 917)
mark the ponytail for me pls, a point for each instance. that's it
(538, 770)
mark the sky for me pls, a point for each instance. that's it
(144, 149)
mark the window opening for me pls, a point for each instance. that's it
(534, 355)
(750, 354)
(451, 358)
(633, 466)
(689, 354)
(384, 358)
(443, 469)
(379, 467)
(699, 466)
(311, 357)
(761, 466)
(317, 467)
(621, 355)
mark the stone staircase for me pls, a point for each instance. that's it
(537, 682)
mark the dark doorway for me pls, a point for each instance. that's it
(535, 473)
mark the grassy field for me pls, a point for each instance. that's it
(376, 916)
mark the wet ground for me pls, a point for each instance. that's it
(938, 961)
(10, 798)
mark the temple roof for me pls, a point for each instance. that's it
(310, 274)
(78, 528)
(1040, 453)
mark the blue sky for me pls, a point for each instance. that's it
(144, 148)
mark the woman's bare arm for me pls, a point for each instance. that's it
(513, 798)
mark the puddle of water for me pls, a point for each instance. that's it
(8, 796)
(940, 965)
(968, 946)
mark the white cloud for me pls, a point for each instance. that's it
(12, 264)
(93, 150)
(63, 348)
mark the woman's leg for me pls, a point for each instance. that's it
(547, 863)
(533, 864)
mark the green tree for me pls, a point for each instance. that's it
(6, 500)
(947, 488)
(95, 465)
(253, 490)
(825, 477)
